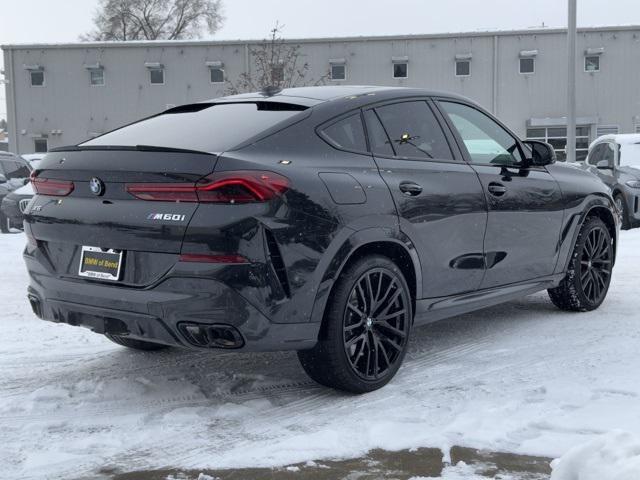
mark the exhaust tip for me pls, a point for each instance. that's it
(211, 336)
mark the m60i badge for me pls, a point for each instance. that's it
(169, 217)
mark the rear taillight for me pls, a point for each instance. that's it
(49, 186)
(225, 187)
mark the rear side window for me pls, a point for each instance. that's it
(201, 127)
(414, 131)
(347, 134)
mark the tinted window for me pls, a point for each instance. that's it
(14, 169)
(486, 141)
(202, 127)
(414, 131)
(378, 138)
(347, 134)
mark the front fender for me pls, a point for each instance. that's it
(577, 214)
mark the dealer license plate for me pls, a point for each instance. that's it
(100, 263)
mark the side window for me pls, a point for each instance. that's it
(414, 131)
(609, 153)
(347, 134)
(486, 141)
(378, 138)
(596, 154)
(16, 170)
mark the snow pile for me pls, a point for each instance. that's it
(522, 377)
(613, 456)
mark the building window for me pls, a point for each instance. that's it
(463, 68)
(557, 137)
(527, 65)
(96, 77)
(592, 63)
(607, 130)
(37, 78)
(338, 72)
(216, 75)
(156, 76)
(401, 70)
(40, 145)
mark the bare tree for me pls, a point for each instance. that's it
(275, 64)
(155, 19)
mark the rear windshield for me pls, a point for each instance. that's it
(202, 127)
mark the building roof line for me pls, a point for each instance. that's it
(213, 43)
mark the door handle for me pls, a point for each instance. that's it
(497, 189)
(410, 189)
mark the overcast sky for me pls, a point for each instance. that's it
(48, 21)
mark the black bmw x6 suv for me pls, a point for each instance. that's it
(327, 220)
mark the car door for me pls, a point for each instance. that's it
(439, 198)
(526, 208)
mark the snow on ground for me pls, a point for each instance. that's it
(614, 456)
(522, 377)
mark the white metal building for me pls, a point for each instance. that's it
(62, 94)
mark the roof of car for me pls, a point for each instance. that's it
(622, 139)
(310, 96)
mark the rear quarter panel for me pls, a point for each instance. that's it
(309, 225)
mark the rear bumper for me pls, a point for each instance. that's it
(159, 314)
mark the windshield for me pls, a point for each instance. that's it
(202, 127)
(630, 155)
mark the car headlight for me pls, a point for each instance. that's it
(633, 183)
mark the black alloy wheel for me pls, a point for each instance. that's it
(595, 264)
(621, 205)
(375, 323)
(365, 330)
(586, 283)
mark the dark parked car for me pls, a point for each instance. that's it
(14, 173)
(616, 160)
(327, 220)
(14, 205)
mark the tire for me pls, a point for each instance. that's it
(365, 329)
(4, 223)
(135, 344)
(588, 277)
(621, 203)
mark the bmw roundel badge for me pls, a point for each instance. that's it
(96, 186)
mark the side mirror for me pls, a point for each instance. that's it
(604, 165)
(541, 153)
(3, 179)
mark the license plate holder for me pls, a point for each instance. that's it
(101, 263)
